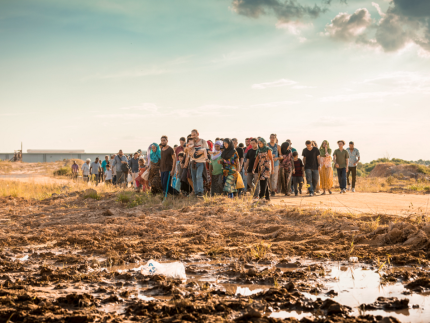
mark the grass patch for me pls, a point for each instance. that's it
(63, 171)
(92, 195)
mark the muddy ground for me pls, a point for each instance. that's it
(70, 258)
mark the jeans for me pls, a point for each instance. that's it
(353, 171)
(274, 179)
(197, 176)
(165, 181)
(121, 177)
(254, 183)
(341, 175)
(114, 179)
(312, 178)
(264, 189)
(297, 181)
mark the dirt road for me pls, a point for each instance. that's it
(378, 203)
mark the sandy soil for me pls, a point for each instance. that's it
(33, 178)
(374, 203)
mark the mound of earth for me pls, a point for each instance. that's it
(390, 169)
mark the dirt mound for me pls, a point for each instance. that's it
(390, 169)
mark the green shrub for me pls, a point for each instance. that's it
(390, 180)
(124, 197)
(92, 195)
(423, 169)
(63, 171)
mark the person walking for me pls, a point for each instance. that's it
(240, 153)
(86, 170)
(354, 158)
(108, 175)
(120, 162)
(298, 172)
(180, 148)
(276, 152)
(252, 179)
(326, 167)
(113, 169)
(75, 170)
(154, 170)
(265, 164)
(230, 162)
(311, 160)
(133, 164)
(167, 164)
(198, 158)
(94, 170)
(104, 164)
(216, 170)
(287, 166)
(341, 161)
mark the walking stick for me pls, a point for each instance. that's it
(167, 187)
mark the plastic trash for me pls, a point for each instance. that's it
(353, 259)
(245, 291)
(173, 269)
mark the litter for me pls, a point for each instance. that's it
(173, 269)
(245, 291)
(353, 259)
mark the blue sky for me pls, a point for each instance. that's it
(104, 75)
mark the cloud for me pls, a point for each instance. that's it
(348, 27)
(279, 83)
(274, 104)
(285, 11)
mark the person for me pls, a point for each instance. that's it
(108, 175)
(198, 158)
(154, 170)
(178, 172)
(180, 148)
(276, 152)
(104, 163)
(240, 153)
(291, 146)
(133, 163)
(113, 169)
(252, 179)
(140, 181)
(216, 170)
(326, 168)
(167, 164)
(186, 182)
(119, 160)
(86, 170)
(354, 158)
(75, 170)
(265, 163)
(311, 160)
(94, 170)
(100, 171)
(230, 163)
(298, 172)
(341, 161)
(287, 166)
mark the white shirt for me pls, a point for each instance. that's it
(108, 174)
(86, 169)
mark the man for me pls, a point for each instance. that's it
(198, 162)
(354, 158)
(180, 148)
(113, 169)
(133, 163)
(86, 170)
(75, 170)
(94, 170)
(167, 164)
(341, 161)
(104, 164)
(252, 179)
(119, 160)
(311, 160)
(276, 152)
(291, 147)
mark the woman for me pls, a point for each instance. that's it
(326, 170)
(154, 170)
(216, 170)
(265, 164)
(287, 167)
(230, 162)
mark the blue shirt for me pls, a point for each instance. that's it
(134, 165)
(275, 153)
(104, 165)
(353, 156)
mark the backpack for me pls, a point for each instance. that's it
(124, 167)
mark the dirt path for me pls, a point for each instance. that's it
(378, 203)
(33, 178)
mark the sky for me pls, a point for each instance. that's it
(105, 75)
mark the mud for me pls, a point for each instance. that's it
(70, 258)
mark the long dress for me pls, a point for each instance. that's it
(230, 167)
(264, 166)
(287, 166)
(326, 173)
(154, 177)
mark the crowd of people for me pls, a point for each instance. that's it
(199, 167)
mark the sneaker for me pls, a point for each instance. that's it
(349, 187)
(295, 194)
(344, 191)
(300, 191)
(272, 193)
(353, 190)
(341, 191)
(311, 194)
(330, 192)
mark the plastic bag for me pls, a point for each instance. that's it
(129, 178)
(173, 269)
(145, 175)
(239, 182)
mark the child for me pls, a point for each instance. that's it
(178, 172)
(108, 175)
(140, 182)
(298, 171)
